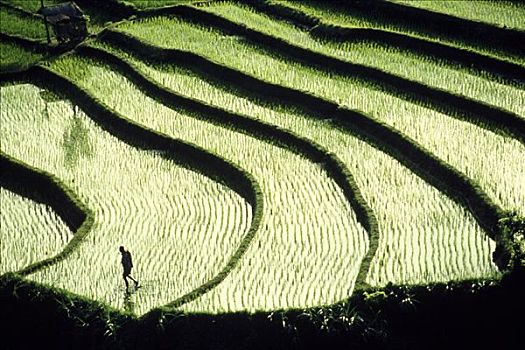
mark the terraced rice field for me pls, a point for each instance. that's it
(286, 180)
(502, 14)
(409, 118)
(331, 13)
(374, 173)
(308, 233)
(392, 61)
(30, 232)
(146, 203)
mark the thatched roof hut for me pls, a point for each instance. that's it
(67, 19)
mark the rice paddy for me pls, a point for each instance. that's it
(331, 13)
(400, 63)
(309, 249)
(146, 203)
(488, 168)
(287, 181)
(30, 232)
(376, 174)
(505, 14)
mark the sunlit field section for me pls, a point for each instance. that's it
(21, 25)
(180, 226)
(307, 225)
(29, 232)
(424, 237)
(498, 168)
(401, 63)
(505, 14)
(330, 12)
(14, 57)
(388, 187)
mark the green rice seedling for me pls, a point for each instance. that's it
(390, 60)
(501, 177)
(506, 14)
(307, 226)
(16, 24)
(409, 210)
(14, 57)
(180, 226)
(329, 12)
(30, 232)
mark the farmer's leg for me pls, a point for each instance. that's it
(125, 281)
(134, 280)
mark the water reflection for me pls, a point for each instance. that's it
(129, 305)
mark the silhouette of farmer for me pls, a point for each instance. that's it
(127, 265)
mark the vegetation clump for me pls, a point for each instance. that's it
(510, 249)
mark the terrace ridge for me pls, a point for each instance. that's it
(511, 73)
(27, 43)
(43, 187)
(115, 8)
(506, 40)
(28, 304)
(463, 108)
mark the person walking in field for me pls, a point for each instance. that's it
(127, 264)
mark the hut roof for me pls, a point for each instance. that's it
(69, 9)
